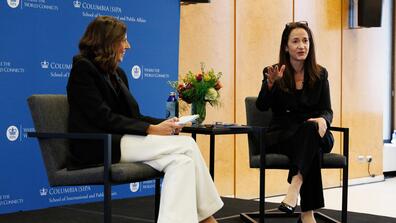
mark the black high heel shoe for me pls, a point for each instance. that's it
(286, 208)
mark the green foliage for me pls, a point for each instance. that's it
(201, 87)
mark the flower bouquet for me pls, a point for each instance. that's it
(198, 89)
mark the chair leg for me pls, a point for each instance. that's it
(106, 179)
(250, 217)
(272, 213)
(157, 198)
(262, 194)
(107, 202)
(344, 210)
(325, 218)
(344, 213)
(261, 214)
(345, 177)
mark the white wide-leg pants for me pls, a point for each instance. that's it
(188, 193)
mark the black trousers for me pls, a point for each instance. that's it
(305, 153)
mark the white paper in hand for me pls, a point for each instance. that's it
(188, 118)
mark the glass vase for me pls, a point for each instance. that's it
(199, 108)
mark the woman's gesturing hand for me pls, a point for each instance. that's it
(322, 125)
(274, 73)
(167, 127)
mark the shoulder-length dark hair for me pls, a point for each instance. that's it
(311, 68)
(101, 40)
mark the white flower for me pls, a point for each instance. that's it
(211, 95)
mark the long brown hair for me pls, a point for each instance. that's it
(101, 40)
(311, 68)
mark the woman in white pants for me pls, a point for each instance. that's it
(100, 102)
(188, 192)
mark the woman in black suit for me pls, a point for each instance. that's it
(297, 91)
(100, 102)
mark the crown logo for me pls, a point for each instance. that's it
(43, 191)
(134, 186)
(136, 72)
(77, 4)
(44, 64)
(12, 131)
(13, 3)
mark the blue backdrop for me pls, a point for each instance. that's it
(37, 42)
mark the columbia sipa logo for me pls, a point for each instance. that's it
(134, 186)
(77, 4)
(12, 133)
(43, 191)
(13, 3)
(44, 64)
(136, 72)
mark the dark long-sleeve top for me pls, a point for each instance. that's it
(96, 105)
(291, 109)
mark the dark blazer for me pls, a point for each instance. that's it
(97, 107)
(291, 109)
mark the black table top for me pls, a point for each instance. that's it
(217, 129)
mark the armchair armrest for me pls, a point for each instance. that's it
(345, 139)
(58, 135)
(102, 136)
(261, 130)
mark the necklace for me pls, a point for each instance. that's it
(299, 84)
(299, 80)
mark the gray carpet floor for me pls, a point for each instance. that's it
(141, 210)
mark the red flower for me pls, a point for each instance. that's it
(218, 85)
(188, 86)
(186, 99)
(199, 77)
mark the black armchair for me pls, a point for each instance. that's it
(259, 159)
(50, 117)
